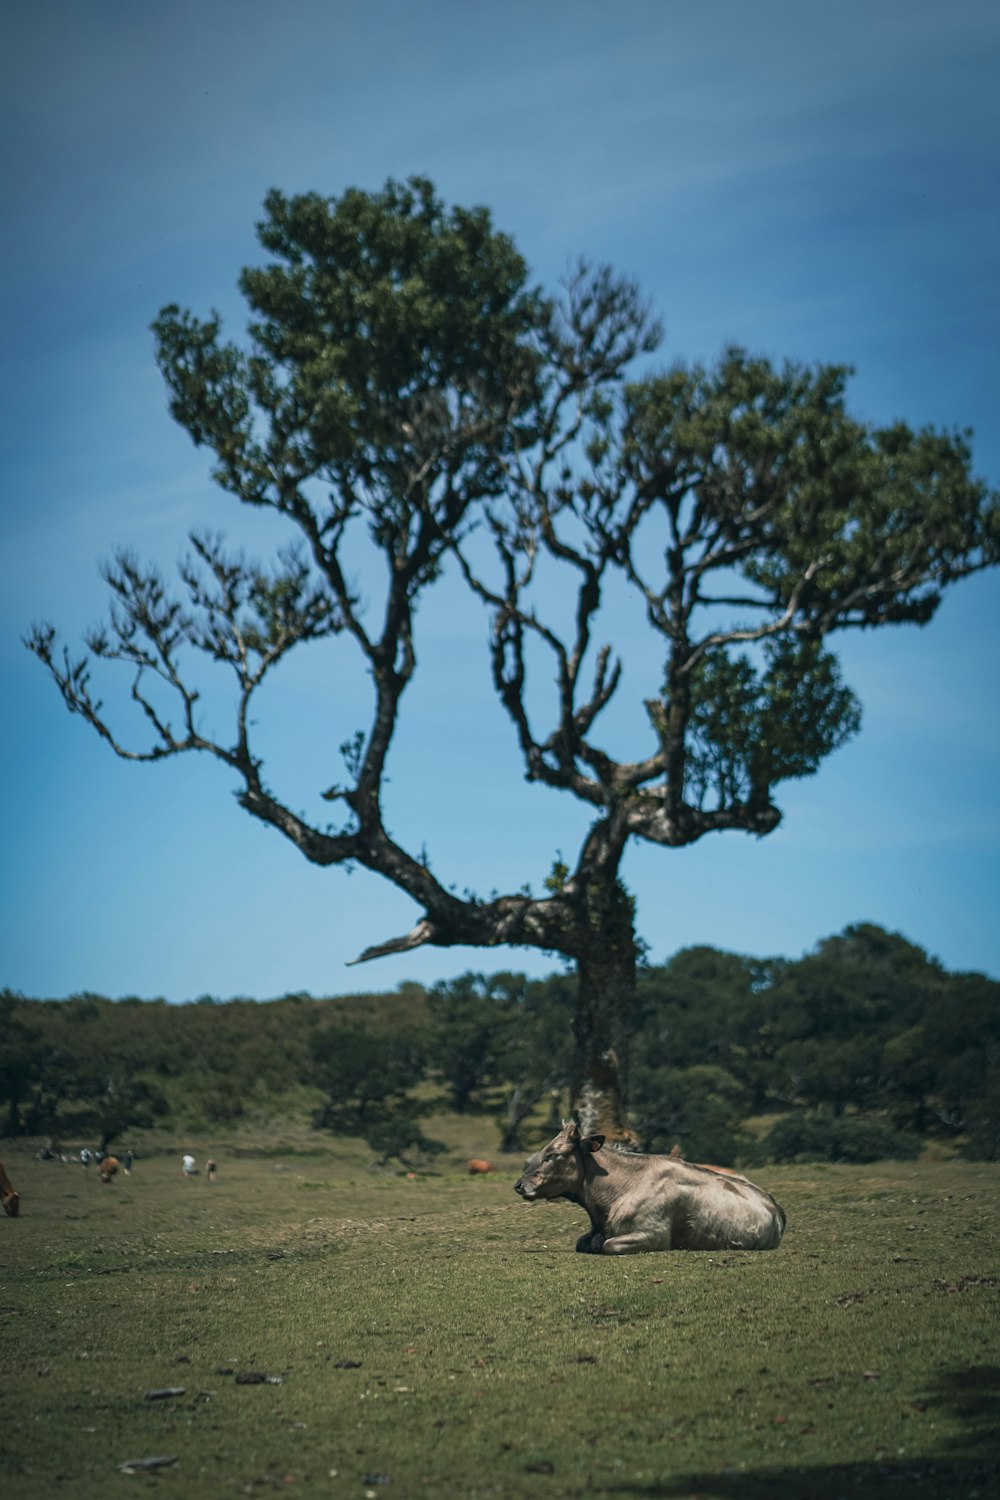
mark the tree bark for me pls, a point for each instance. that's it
(519, 1105)
(606, 977)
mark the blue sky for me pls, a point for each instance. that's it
(809, 181)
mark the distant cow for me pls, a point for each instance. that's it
(8, 1197)
(108, 1168)
(638, 1202)
(478, 1165)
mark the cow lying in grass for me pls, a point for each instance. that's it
(640, 1202)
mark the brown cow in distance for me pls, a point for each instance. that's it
(638, 1202)
(108, 1168)
(479, 1165)
(8, 1197)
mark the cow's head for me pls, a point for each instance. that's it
(11, 1204)
(558, 1169)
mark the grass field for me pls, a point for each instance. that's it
(439, 1337)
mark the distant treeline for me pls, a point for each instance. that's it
(863, 1049)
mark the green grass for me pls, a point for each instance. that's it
(486, 1358)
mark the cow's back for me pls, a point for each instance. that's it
(725, 1211)
(697, 1208)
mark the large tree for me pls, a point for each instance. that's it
(404, 388)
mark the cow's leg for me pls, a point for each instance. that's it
(590, 1243)
(639, 1239)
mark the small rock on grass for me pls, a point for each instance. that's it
(165, 1392)
(144, 1465)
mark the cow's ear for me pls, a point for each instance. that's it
(592, 1143)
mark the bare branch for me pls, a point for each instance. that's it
(319, 848)
(785, 621)
(422, 933)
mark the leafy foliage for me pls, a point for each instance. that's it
(866, 1023)
(367, 1078)
(471, 1024)
(753, 728)
(811, 1137)
(865, 1031)
(700, 1108)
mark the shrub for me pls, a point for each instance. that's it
(397, 1135)
(813, 1137)
(698, 1109)
(982, 1126)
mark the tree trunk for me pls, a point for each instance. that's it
(606, 971)
(519, 1105)
(520, 1102)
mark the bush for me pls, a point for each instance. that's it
(698, 1109)
(398, 1135)
(982, 1126)
(801, 1137)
